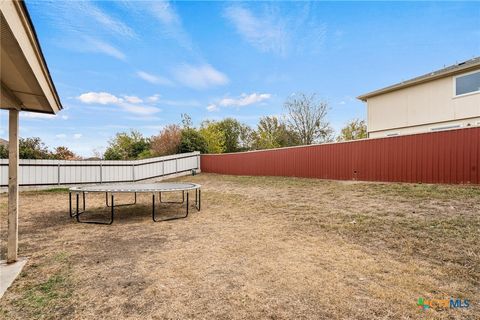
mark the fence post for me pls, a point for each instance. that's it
(198, 161)
(133, 173)
(101, 169)
(176, 165)
(58, 173)
(163, 168)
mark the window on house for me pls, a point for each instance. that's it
(467, 83)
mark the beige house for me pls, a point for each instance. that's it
(445, 99)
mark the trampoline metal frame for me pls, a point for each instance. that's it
(77, 213)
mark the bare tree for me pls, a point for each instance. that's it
(307, 117)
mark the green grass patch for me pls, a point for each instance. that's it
(52, 292)
(44, 294)
(423, 191)
(55, 190)
(48, 191)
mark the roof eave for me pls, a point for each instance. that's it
(409, 83)
(31, 44)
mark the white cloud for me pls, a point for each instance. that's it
(115, 26)
(165, 13)
(200, 77)
(179, 103)
(99, 98)
(36, 115)
(61, 136)
(74, 18)
(106, 98)
(154, 98)
(80, 26)
(245, 100)
(172, 26)
(133, 99)
(146, 118)
(141, 110)
(154, 78)
(77, 136)
(267, 32)
(212, 107)
(299, 30)
(97, 45)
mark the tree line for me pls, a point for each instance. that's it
(35, 148)
(304, 122)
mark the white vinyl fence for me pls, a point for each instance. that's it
(58, 172)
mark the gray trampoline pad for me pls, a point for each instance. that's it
(138, 187)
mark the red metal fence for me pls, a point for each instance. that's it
(440, 157)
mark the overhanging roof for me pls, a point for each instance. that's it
(458, 68)
(26, 83)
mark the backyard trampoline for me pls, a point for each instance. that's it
(153, 188)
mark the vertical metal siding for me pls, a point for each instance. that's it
(43, 172)
(439, 157)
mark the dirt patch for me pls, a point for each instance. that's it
(280, 248)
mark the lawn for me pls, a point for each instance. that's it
(262, 247)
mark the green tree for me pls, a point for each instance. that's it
(33, 148)
(191, 141)
(3, 151)
(213, 135)
(127, 146)
(232, 130)
(112, 154)
(273, 133)
(246, 138)
(355, 129)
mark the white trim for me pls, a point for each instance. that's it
(453, 126)
(455, 95)
(465, 94)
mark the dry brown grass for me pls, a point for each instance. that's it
(280, 248)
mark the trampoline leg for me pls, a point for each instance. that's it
(153, 207)
(198, 199)
(121, 205)
(76, 202)
(70, 204)
(177, 202)
(112, 207)
(167, 219)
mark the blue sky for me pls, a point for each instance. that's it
(119, 65)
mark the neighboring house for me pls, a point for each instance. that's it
(445, 99)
